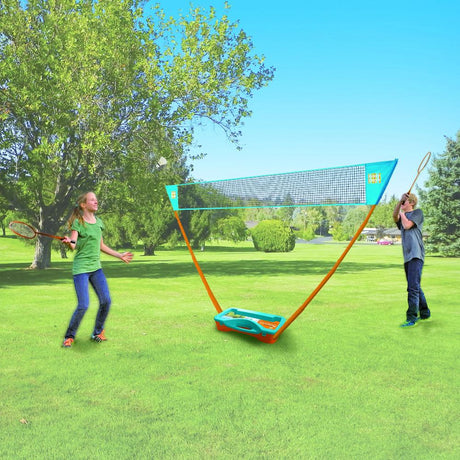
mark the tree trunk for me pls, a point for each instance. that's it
(42, 257)
(149, 249)
(48, 223)
(63, 251)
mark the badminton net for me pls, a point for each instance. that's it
(346, 185)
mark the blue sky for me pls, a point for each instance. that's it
(355, 82)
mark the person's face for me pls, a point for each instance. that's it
(407, 206)
(91, 203)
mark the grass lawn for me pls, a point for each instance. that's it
(342, 382)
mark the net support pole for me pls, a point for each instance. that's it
(197, 265)
(327, 277)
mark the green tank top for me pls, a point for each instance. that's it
(88, 249)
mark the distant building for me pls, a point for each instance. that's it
(392, 234)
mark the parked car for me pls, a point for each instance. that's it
(384, 241)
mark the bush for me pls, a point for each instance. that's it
(307, 234)
(338, 233)
(273, 236)
(231, 228)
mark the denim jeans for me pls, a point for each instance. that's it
(99, 284)
(415, 296)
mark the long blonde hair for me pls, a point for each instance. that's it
(76, 212)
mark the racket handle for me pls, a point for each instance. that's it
(71, 241)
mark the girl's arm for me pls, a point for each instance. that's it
(126, 257)
(73, 237)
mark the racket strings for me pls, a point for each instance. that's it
(22, 229)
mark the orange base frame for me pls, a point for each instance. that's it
(262, 338)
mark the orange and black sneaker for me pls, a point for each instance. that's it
(99, 337)
(68, 341)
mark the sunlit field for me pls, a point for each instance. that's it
(342, 382)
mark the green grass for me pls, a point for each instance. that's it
(343, 381)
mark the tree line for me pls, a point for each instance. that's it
(93, 93)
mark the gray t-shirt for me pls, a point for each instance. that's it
(412, 241)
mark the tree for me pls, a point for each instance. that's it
(87, 86)
(231, 228)
(337, 232)
(286, 212)
(441, 201)
(138, 207)
(310, 221)
(4, 207)
(382, 217)
(353, 220)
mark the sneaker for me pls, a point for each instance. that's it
(424, 319)
(99, 337)
(68, 342)
(409, 324)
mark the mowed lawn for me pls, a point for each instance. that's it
(342, 382)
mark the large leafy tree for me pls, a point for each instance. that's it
(441, 201)
(88, 86)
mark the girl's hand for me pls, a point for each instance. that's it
(67, 240)
(126, 257)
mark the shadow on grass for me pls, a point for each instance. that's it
(236, 268)
(17, 274)
(284, 343)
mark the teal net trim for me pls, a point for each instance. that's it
(346, 185)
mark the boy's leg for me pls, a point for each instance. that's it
(425, 312)
(413, 274)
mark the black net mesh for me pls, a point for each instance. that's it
(334, 186)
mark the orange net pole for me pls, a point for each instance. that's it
(327, 277)
(197, 265)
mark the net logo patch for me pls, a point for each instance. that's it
(374, 178)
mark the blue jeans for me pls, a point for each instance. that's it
(99, 283)
(415, 296)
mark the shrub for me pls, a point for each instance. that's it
(273, 236)
(307, 234)
(231, 228)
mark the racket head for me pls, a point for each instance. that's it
(22, 229)
(424, 162)
(421, 167)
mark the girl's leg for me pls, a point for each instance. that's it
(81, 288)
(99, 283)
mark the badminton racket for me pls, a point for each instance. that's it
(27, 231)
(421, 167)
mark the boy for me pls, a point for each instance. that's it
(410, 221)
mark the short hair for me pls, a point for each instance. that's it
(413, 199)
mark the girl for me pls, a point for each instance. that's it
(86, 238)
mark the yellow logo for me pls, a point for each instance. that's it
(374, 178)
